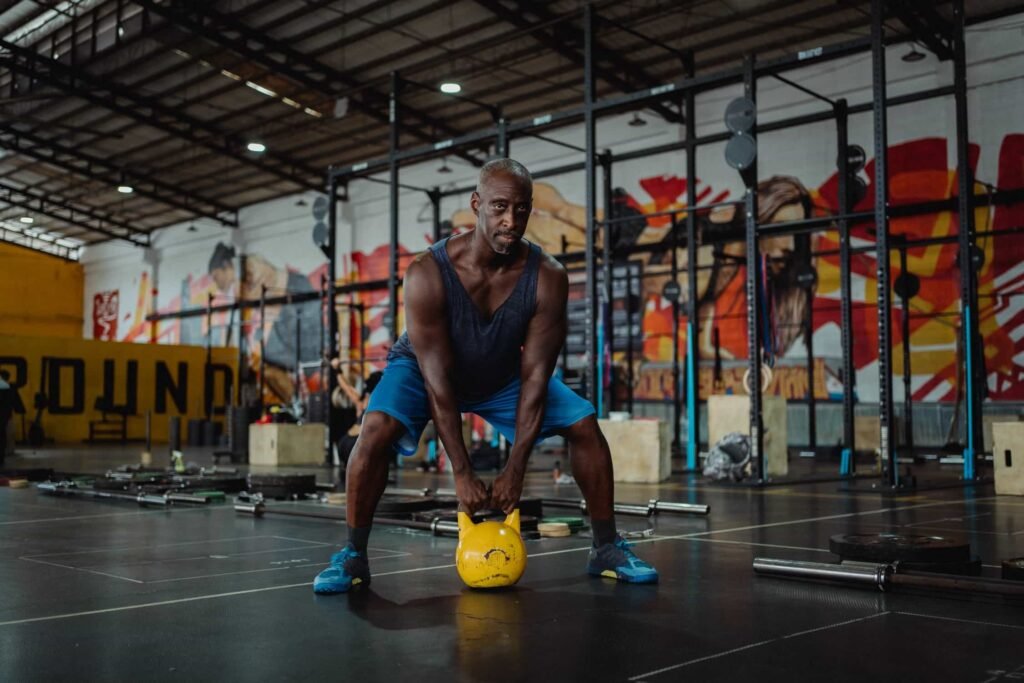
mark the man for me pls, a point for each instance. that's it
(8, 402)
(486, 319)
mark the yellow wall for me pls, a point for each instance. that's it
(42, 295)
(74, 398)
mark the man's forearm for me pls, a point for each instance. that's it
(445, 412)
(529, 420)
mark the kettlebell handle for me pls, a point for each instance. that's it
(466, 522)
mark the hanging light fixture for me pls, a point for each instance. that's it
(636, 121)
(444, 166)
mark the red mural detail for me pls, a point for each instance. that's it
(104, 315)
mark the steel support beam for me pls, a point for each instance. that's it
(92, 167)
(848, 464)
(693, 301)
(884, 281)
(590, 191)
(754, 312)
(561, 39)
(152, 112)
(394, 119)
(282, 59)
(77, 215)
(974, 370)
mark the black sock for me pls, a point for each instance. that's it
(603, 531)
(358, 537)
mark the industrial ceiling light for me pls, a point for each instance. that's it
(256, 147)
(125, 189)
(444, 166)
(636, 121)
(450, 88)
(27, 219)
(913, 55)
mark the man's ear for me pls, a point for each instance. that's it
(474, 203)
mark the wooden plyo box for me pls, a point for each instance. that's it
(731, 413)
(287, 444)
(640, 449)
(1008, 458)
(866, 433)
(986, 426)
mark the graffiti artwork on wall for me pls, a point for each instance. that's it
(104, 315)
(803, 271)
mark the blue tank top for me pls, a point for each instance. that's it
(487, 352)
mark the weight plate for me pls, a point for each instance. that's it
(320, 234)
(320, 207)
(740, 151)
(404, 505)
(889, 547)
(1013, 570)
(907, 285)
(968, 568)
(739, 115)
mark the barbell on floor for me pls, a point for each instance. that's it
(885, 576)
(652, 507)
(256, 507)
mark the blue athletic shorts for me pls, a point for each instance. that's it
(402, 395)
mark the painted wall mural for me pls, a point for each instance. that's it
(920, 172)
(801, 277)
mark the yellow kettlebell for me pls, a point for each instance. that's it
(490, 554)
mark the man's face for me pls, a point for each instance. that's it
(224, 277)
(502, 208)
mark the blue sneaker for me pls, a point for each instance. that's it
(348, 568)
(616, 561)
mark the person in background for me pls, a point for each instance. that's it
(7, 402)
(358, 400)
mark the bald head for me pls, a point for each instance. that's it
(504, 167)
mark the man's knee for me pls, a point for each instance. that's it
(583, 431)
(379, 432)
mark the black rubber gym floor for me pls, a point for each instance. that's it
(108, 591)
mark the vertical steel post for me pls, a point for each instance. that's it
(880, 107)
(677, 400)
(333, 342)
(263, 343)
(607, 309)
(590, 185)
(435, 212)
(208, 378)
(629, 336)
(393, 136)
(847, 464)
(812, 401)
(972, 342)
(693, 300)
(908, 399)
(754, 311)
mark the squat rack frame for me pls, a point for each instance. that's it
(685, 91)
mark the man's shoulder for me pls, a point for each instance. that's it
(549, 266)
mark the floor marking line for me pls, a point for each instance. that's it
(761, 545)
(751, 646)
(270, 569)
(448, 566)
(81, 569)
(111, 514)
(160, 545)
(962, 621)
